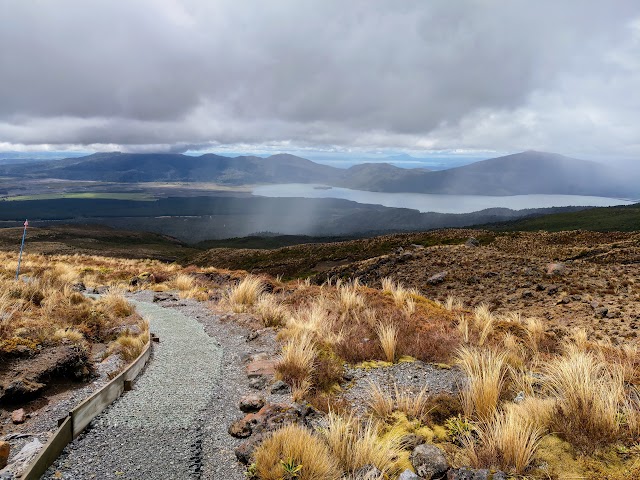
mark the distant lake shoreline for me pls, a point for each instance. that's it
(439, 203)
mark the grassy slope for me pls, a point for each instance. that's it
(306, 259)
(96, 240)
(601, 219)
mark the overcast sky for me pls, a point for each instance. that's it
(357, 75)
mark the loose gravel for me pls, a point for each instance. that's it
(173, 424)
(413, 376)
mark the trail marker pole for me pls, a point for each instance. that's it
(24, 236)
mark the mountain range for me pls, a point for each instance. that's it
(523, 173)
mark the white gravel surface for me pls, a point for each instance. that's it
(173, 424)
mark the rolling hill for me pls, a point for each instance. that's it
(523, 173)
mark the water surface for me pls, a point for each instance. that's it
(428, 202)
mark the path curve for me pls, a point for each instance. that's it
(156, 430)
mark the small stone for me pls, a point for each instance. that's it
(18, 416)
(78, 287)
(164, 297)
(555, 269)
(540, 287)
(594, 304)
(472, 242)
(408, 475)
(437, 278)
(564, 300)
(466, 473)
(429, 461)
(411, 441)
(252, 336)
(367, 472)
(258, 383)
(244, 452)
(553, 289)
(527, 294)
(4, 453)
(259, 368)
(280, 388)
(251, 403)
(240, 428)
(601, 312)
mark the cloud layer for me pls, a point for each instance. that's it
(415, 75)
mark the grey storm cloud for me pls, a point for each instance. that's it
(438, 74)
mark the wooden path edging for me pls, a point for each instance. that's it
(81, 416)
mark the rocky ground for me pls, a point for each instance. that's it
(571, 279)
(25, 426)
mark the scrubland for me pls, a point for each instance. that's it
(536, 402)
(537, 399)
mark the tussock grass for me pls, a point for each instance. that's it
(292, 447)
(69, 334)
(129, 345)
(183, 282)
(379, 402)
(398, 292)
(453, 303)
(349, 298)
(463, 328)
(589, 392)
(413, 405)
(114, 300)
(272, 312)
(484, 321)
(485, 371)
(508, 441)
(314, 320)
(356, 444)
(296, 361)
(382, 404)
(388, 338)
(535, 332)
(246, 293)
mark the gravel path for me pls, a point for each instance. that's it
(173, 424)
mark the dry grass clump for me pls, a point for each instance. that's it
(68, 334)
(388, 338)
(296, 361)
(483, 321)
(485, 372)
(272, 313)
(453, 303)
(295, 452)
(380, 403)
(398, 292)
(349, 298)
(315, 320)
(114, 300)
(383, 404)
(183, 282)
(246, 293)
(130, 345)
(356, 444)
(589, 394)
(509, 441)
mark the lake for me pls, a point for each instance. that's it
(426, 202)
